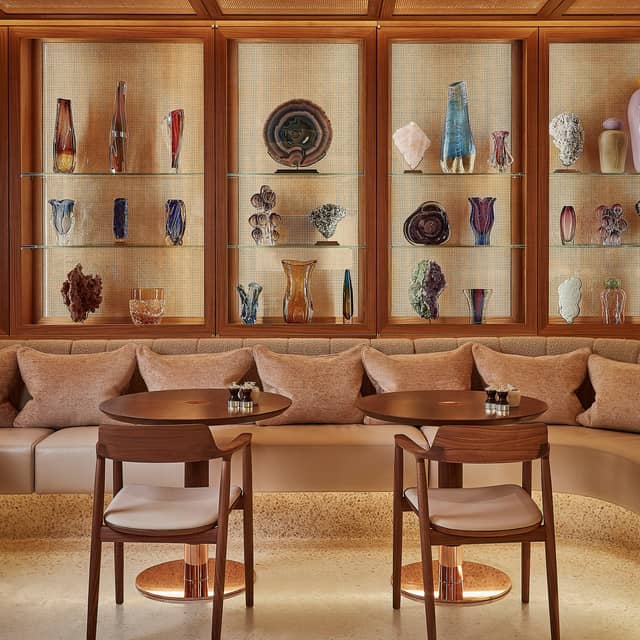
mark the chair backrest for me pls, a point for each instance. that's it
(157, 443)
(490, 444)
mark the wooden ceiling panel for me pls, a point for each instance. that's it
(97, 7)
(604, 7)
(467, 7)
(294, 7)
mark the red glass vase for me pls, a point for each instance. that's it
(567, 224)
(64, 139)
(118, 137)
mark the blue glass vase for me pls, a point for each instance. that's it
(120, 219)
(347, 297)
(176, 221)
(249, 302)
(477, 299)
(457, 147)
(481, 219)
(62, 218)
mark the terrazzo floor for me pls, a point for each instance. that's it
(307, 590)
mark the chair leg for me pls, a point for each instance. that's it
(118, 561)
(94, 586)
(397, 550)
(218, 583)
(427, 578)
(525, 565)
(247, 521)
(552, 584)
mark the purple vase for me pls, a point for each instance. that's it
(633, 119)
(481, 219)
(567, 224)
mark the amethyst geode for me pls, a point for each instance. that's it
(427, 283)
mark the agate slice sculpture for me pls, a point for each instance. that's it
(325, 219)
(81, 294)
(427, 283)
(428, 224)
(568, 137)
(264, 223)
(412, 142)
(297, 133)
(569, 296)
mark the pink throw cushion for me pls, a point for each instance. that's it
(66, 390)
(449, 370)
(193, 371)
(323, 389)
(617, 387)
(9, 379)
(552, 379)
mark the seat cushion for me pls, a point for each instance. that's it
(17, 458)
(66, 390)
(164, 510)
(503, 507)
(193, 371)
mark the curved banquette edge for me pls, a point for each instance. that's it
(596, 463)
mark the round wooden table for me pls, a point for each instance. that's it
(457, 582)
(192, 578)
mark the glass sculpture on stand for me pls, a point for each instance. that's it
(64, 139)
(612, 224)
(613, 299)
(249, 302)
(481, 219)
(62, 219)
(176, 222)
(297, 305)
(175, 123)
(477, 299)
(118, 137)
(457, 148)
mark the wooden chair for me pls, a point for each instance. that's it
(441, 511)
(143, 513)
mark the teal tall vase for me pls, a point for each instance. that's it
(457, 148)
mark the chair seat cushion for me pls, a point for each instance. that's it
(164, 510)
(503, 507)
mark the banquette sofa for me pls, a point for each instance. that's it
(310, 456)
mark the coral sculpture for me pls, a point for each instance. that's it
(427, 283)
(568, 137)
(81, 294)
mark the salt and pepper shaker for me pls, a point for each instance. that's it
(490, 403)
(233, 404)
(241, 397)
(502, 403)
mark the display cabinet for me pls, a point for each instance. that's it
(457, 180)
(296, 180)
(590, 185)
(111, 169)
(4, 192)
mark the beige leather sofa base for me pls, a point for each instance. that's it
(17, 458)
(309, 457)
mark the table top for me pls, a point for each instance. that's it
(443, 407)
(189, 406)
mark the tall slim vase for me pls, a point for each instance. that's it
(477, 299)
(118, 137)
(175, 122)
(567, 225)
(347, 297)
(633, 119)
(297, 305)
(64, 139)
(457, 148)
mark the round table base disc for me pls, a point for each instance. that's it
(165, 581)
(482, 583)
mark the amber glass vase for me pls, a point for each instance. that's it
(297, 305)
(64, 139)
(118, 137)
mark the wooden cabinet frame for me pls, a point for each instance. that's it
(548, 36)
(524, 116)
(21, 90)
(226, 148)
(5, 279)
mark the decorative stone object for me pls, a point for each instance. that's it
(412, 142)
(427, 283)
(428, 224)
(569, 296)
(325, 219)
(81, 294)
(568, 136)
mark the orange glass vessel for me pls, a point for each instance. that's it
(297, 305)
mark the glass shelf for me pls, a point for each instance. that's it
(624, 245)
(294, 174)
(111, 175)
(297, 246)
(422, 247)
(440, 174)
(112, 245)
(580, 174)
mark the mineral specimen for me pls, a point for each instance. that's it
(81, 294)
(427, 283)
(412, 142)
(325, 218)
(568, 137)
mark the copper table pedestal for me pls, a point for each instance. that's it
(191, 579)
(455, 581)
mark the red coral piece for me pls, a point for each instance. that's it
(81, 294)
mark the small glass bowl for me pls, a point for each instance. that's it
(146, 305)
